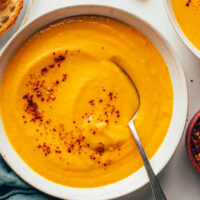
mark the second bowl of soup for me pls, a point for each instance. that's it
(185, 16)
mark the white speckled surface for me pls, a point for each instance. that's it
(179, 180)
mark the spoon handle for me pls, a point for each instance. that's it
(155, 186)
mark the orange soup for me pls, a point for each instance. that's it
(66, 104)
(187, 14)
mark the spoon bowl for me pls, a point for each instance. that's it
(155, 186)
(114, 61)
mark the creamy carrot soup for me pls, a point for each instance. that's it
(65, 102)
(187, 13)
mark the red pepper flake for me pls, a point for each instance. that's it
(69, 150)
(37, 117)
(188, 3)
(31, 107)
(101, 100)
(110, 95)
(66, 52)
(44, 70)
(113, 110)
(25, 96)
(60, 58)
(74, 122)
(57, 82)
(92, 157)
(91, 102)
(100, 150)
(78, 141)
(39, 94)
(94, 132)
(51, 66)
(35, 89)
(46, 149)
(54, 53)
(64, 77)
(52, 97)
(58, 151)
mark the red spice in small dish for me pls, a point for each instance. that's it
(193, 141)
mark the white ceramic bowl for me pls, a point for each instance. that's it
(177, 28)
(170, 143)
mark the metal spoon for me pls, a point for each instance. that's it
(155, 186)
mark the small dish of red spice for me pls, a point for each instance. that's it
(193, 141)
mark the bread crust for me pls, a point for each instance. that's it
(18, 4)
(3, 2)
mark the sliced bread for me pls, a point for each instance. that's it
(9, 11)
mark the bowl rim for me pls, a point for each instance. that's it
(188, 138)
(185, 40)
(44, 185)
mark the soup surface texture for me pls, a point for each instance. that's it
(66, 102)
(187, 14)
